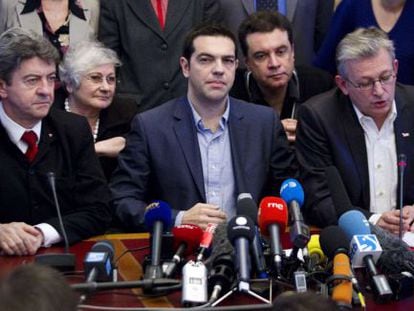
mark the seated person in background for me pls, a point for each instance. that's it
(88, 73)
(360, 128)
(271, 78)
(200, 151)
(63, 22)
(36, 141)
(35, 287)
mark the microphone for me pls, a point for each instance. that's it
(61, 262)
(98, 262)
(247, 206)
(272, 219)
(186, 240)
(222, 270)
(240, 231)
(292, 192)
(316, 256)
(365, 251)
(206, 240)
(334, 244)
(157, 217)
(402, 163)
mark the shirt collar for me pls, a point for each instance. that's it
(14, 130)
(392, 115)
(199, 122)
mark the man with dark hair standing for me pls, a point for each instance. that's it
(271, 78)
(37, 142)
(200, 151)
(359, 128)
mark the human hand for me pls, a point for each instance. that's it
(390, 220)
(19, 238)
(290, 128)
(201, 214)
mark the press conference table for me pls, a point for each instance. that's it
(130, 269)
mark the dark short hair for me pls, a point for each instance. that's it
(206, 29)
(263, 21)
(35, 287)
(17, 45)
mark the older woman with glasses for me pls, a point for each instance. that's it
(88, 73)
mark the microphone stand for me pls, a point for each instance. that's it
(402, 163)
(244, 287)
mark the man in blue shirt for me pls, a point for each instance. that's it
(200, 151)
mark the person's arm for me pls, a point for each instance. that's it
(324, 12)
(19, 238)
(314, 153)
(110, 147)
(342, 23)
(83, 194)
(212, 11)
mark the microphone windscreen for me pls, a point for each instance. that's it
(314, 246)
(291, 190)
(333, 240)
(188, 234)
(157, 211)
(247, 206)
(272, 210)
(104, 246)
(354, 222)
(338, 191)
(221, 245)
(240, 226)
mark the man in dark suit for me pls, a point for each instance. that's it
(359, 128)
(147, 36)
(271, 77)
(36, 143)
(199, 152)
(310, 21)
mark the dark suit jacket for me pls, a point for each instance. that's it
(329, 134)
(113, 121)
(65, 148)
(162, 158)
(151, 74)
(310, 21)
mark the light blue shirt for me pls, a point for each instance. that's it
(217, 164)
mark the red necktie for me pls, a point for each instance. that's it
(30, 138)
(160, 14)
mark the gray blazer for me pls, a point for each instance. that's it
(79, 29)
(310, 21)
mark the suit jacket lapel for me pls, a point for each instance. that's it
(291, 9)
(237, 134)
(77, 26)
(354, 135)
(402, 126)
(176, 10)
(48, 136)
(145, 12)
(29, 20)
(248, 6)
(187, 138)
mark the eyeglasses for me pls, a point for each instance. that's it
(96, 78)
(369, 85)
